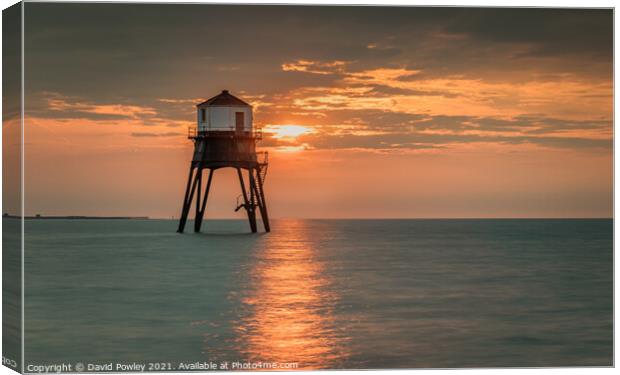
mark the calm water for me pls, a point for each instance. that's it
(322, 293)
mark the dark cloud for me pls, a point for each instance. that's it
(135, 55)
(11, 62)
(148, 51)
(549, 31)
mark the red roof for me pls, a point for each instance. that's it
(224, 99)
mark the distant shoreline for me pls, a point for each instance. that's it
(74, 217)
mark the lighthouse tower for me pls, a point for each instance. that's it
(224, 137)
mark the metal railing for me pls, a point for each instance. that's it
(192, 133)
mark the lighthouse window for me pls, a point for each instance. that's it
(203, 115)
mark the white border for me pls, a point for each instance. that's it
(22, 178)
(458, 3)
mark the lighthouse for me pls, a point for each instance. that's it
(224, 137)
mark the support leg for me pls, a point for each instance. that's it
(187, 201)
(201, 212)
(198, 191)
(262, 202)
(252, 207)
(245, 199)
(189, 195)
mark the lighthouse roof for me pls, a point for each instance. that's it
(224, 99)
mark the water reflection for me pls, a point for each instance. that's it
(290, 304)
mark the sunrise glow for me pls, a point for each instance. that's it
(287, 131)
(456, 122)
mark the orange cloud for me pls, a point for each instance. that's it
(59, 103)
(316, 67)
(568, 96)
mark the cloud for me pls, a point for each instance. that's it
(388, 107)
(180, 101)
(161, 112)
(315, 67)
(443, 75)
(456, 96)
(150, 134)
(74, 107)
(549, 32)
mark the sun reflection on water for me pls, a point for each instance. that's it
(290, 306)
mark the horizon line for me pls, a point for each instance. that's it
(141, 217)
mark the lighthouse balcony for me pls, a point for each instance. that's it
(193, 132)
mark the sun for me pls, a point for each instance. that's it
(287, 132)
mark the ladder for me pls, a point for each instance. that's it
(261, 174)
(263, 166)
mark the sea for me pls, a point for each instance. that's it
(319, 294)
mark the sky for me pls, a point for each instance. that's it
(367, 112)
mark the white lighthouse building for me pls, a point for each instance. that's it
(224, 112)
